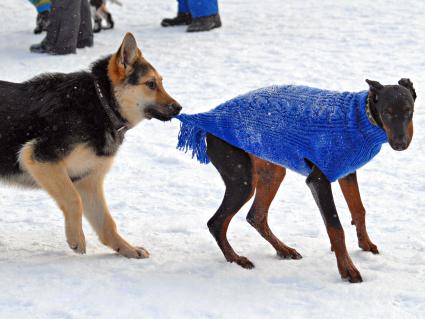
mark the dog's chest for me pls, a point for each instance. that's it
(110, 142)
(83, 161)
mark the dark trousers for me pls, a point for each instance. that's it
(70, 24)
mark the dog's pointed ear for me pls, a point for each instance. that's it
(408, 85)
(374, 87)
(128, 51)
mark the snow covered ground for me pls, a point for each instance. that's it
(162, 199)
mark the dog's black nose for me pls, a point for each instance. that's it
(175, 108)
(399, 145)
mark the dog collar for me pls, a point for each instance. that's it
(369, 112)
(120, 125)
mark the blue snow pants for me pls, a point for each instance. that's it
(42, 5)
(198, 8)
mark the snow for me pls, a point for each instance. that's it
(162, 199)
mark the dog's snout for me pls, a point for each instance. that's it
(400, 144)
(175, 108)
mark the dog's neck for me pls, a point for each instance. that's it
(106, 96)
(118, 122)
(370, 110)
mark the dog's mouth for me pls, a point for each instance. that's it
(399, 146)
(153, 113)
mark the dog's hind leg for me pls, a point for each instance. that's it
(97, 213)
(322, 193)
(268, 178)
(350, 189)
(235, 168)
(53, 177)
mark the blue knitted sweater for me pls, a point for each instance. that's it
(287, 125)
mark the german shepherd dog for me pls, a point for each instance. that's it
(391, 108)
(61, 132)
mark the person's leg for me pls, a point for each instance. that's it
(43, 8)
(62, 32)
(203, 8)
(42, 5)
(183, 15)
(204, 15)
(183, 6)
(85, 32)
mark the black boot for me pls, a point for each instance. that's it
(85, 43)
(41, 47)
(204, 24)
(97, 25)
(42, 22)
(181, 19)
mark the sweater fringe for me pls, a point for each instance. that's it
(193, 138)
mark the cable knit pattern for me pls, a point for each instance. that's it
(287, 125)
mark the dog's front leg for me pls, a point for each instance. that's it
(53, 177)
(97, 213)
(350, 189)
(322, 193)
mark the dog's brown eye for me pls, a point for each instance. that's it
(151, 85)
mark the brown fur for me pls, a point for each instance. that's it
(97, 213)
(388, 131)
(345, 265)
(267, 179)
(116, 71)
(128, 96)
(351, 192)
(54, 178)
(390, 134)
(410, 133)
(75, 182)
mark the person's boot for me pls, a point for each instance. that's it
(181, 19)
(42, 22)
(85, 43)
(97, 26)
(46, 48)
(41, 47)
(204, 23)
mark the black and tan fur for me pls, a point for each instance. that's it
(244, 175)
(56, 134)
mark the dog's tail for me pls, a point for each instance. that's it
(192, 138)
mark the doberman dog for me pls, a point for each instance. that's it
(390, 107)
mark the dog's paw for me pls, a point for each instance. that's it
(243, 262)
(288, 253)
(353, 275)
(143, 253)
(75, 237)
(349, 271)
(367, 245)
(78, 244)
(132, 252)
